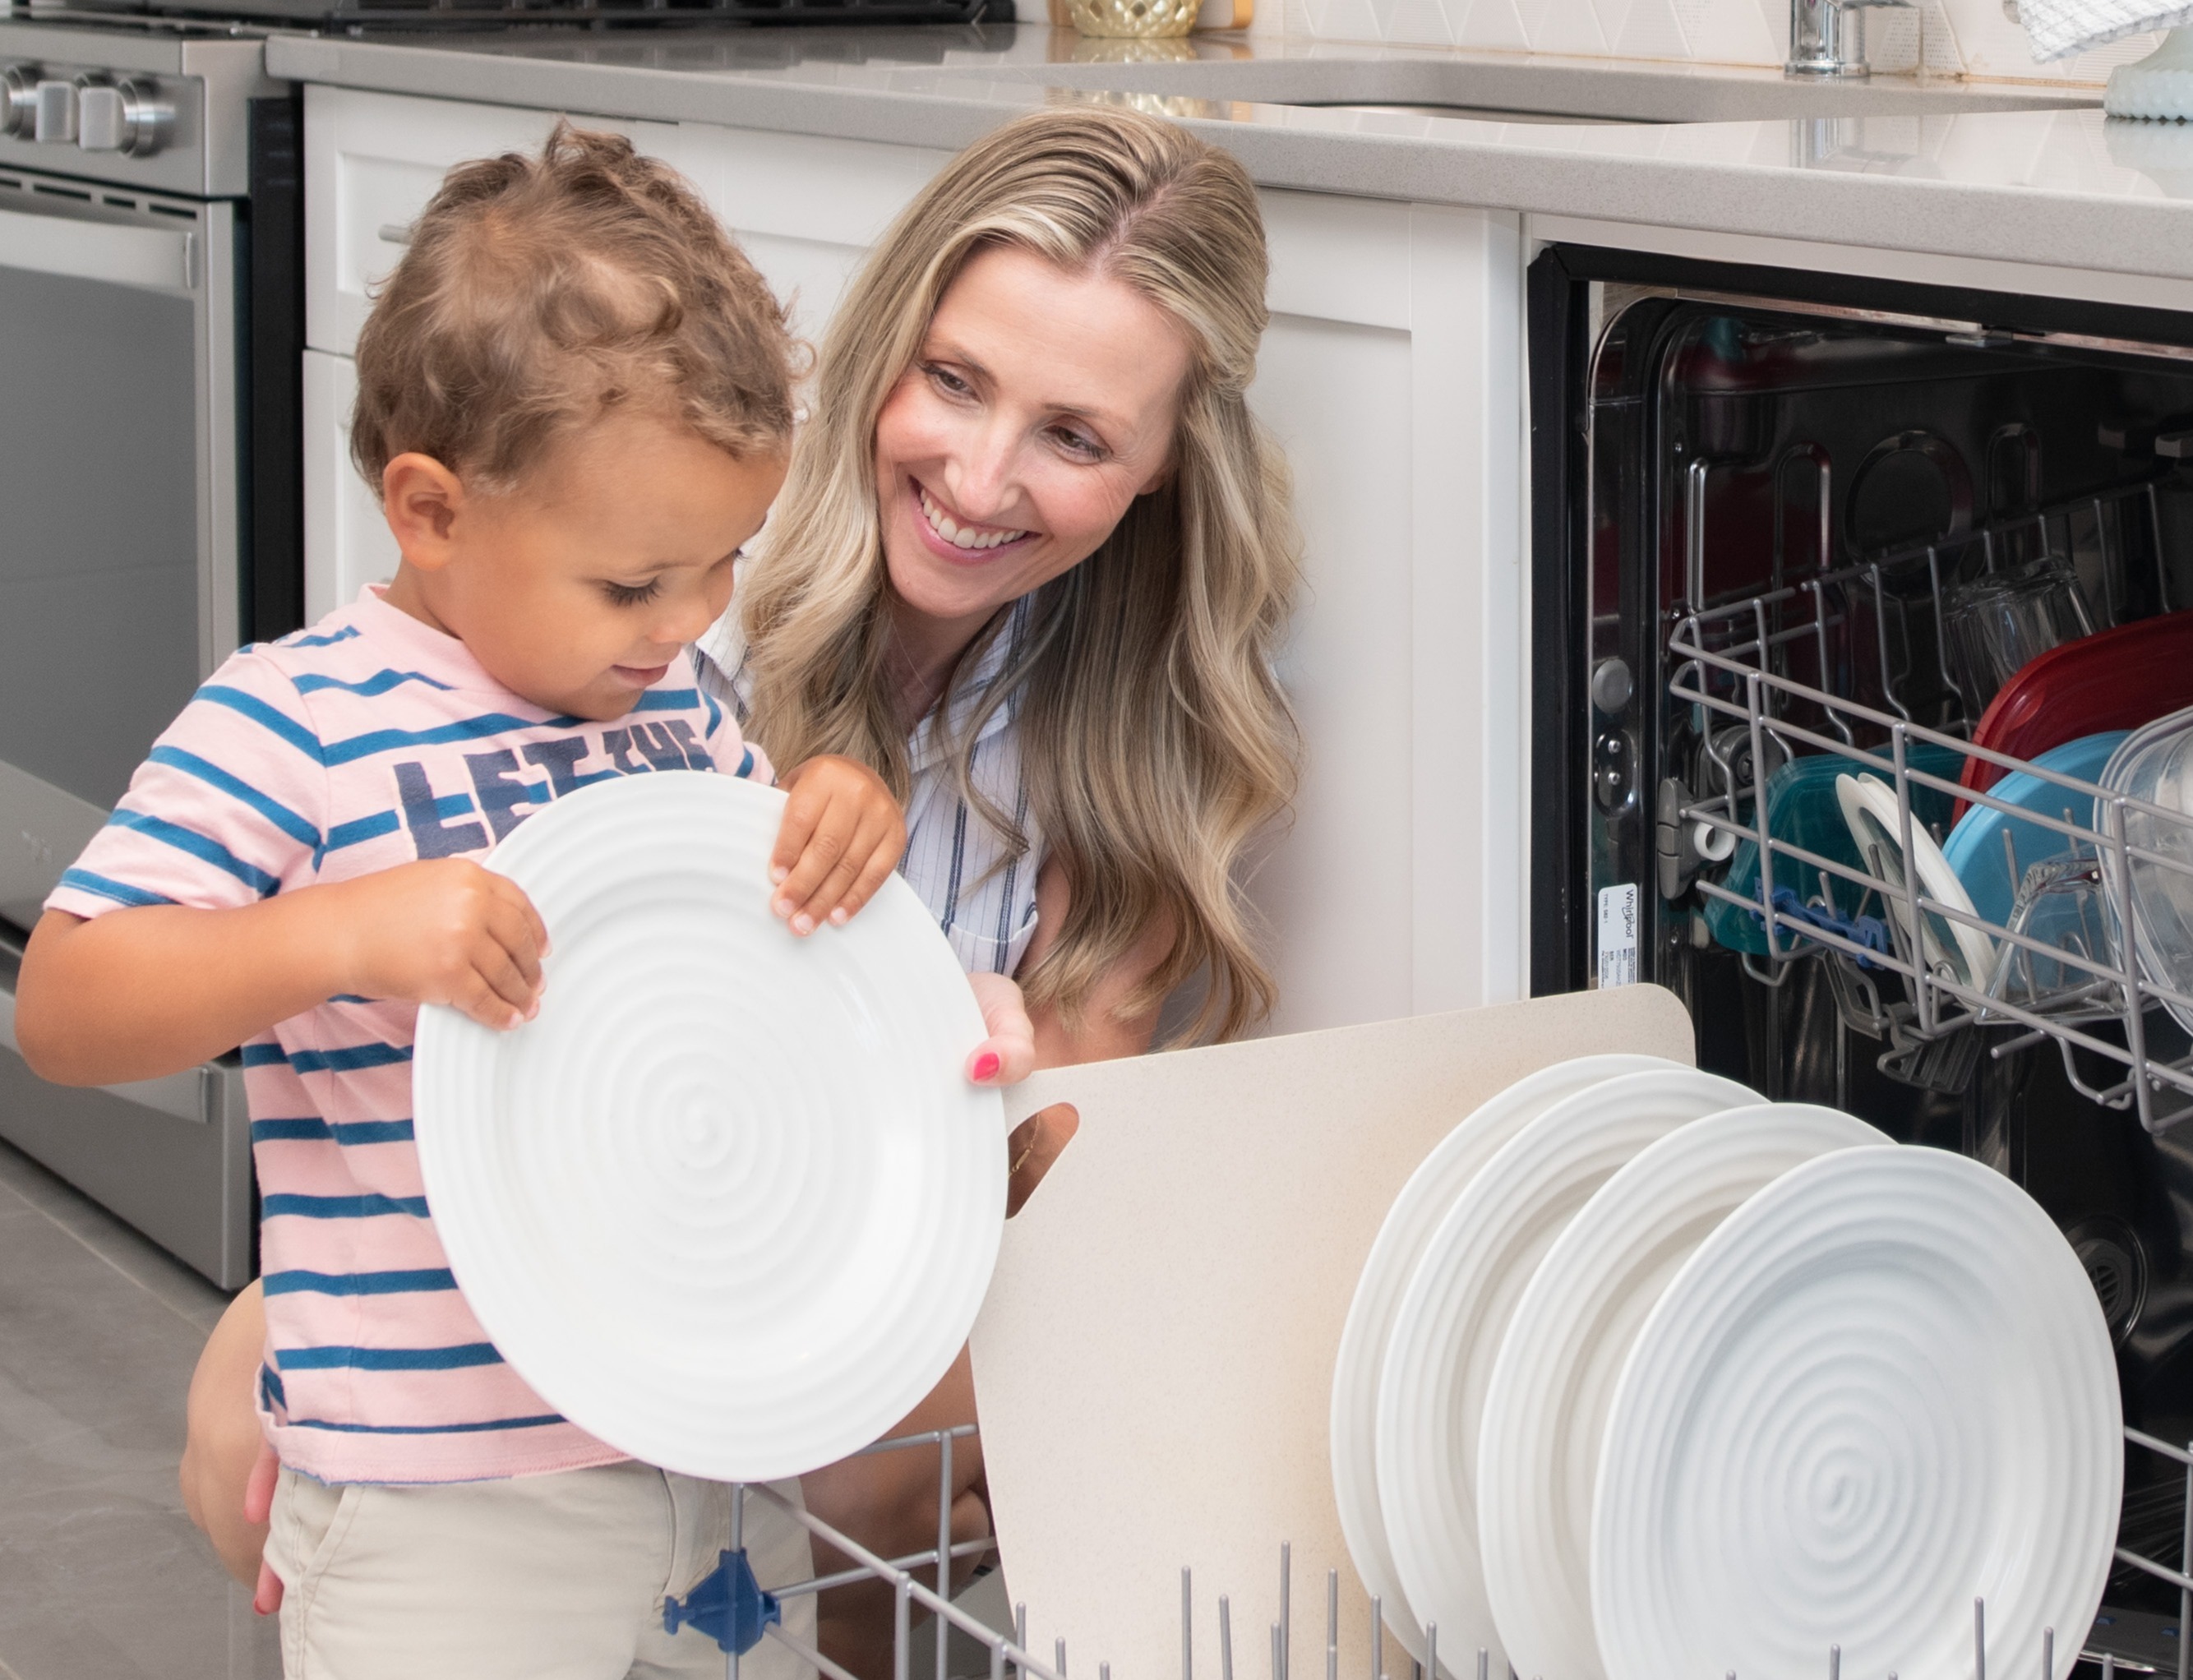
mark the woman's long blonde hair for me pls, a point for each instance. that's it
(1155, 737)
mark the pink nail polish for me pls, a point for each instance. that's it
(803, 924)
(986, 1067)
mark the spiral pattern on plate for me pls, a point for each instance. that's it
(1441, 1176)
(1882, 1388)
(728, 1200)
(1546, 1404)
(1449, 1326)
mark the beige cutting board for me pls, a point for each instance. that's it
(1154, 1365)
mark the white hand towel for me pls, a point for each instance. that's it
(2059, 28)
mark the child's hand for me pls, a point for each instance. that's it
(445, 931)
(1007, 1056)
(843, 834)
(259, 1508)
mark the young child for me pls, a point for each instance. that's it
(575, 395)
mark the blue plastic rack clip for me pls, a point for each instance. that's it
(727, 1604)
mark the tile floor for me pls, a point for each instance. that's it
(102, 1577)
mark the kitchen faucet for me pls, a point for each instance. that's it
(1827, 38)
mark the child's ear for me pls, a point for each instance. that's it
(422, 499)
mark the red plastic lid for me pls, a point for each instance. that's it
(2117, 679)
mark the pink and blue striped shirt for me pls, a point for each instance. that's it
(368, 741)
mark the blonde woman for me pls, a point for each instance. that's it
(1032, 564)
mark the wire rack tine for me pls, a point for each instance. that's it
(1187, 1626)
(2185, 1569)
(738, 1544)
(1332, 1625)
(943, 1548)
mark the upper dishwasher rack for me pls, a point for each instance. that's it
(1854, 662)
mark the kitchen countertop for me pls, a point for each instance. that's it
(2020, 173)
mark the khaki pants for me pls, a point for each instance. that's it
(557, 1577)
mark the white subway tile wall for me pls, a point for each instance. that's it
(1947, 37)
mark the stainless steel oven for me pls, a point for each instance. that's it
(150, 342)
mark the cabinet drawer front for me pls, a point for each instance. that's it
(371, 162)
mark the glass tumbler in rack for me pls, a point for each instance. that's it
(1998, 622)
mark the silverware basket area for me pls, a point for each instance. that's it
(1854, 661)
(921, 1583)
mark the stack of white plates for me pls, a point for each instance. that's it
(1647, 1378)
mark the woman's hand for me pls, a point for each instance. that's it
(1007, 1056)
(843, 835)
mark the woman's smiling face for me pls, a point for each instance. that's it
(1040, 405)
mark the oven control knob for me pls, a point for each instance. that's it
(19, 100)
(56, 122)
(128, 117)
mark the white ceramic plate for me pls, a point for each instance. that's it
(1449, 1324)
(1545, 1406)
(1400, 1245)
(728, 1202)
(1882, 1389)
(1869, 808)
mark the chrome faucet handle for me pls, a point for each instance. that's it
(1827, 38)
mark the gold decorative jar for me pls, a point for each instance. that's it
(1138, 20)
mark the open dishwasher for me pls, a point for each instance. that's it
(1764, 501)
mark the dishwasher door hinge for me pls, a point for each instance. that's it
(1683, 845)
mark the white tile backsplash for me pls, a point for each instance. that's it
(1945, 37)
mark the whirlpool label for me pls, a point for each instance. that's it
(1618, 936)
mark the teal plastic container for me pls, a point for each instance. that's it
(1802, 809)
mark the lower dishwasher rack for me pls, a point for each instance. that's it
(2165, 1650)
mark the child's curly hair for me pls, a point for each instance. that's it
(539, 292)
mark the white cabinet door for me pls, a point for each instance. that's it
(805, 208)
(1392, 373)
(371, 162)
(347, 545)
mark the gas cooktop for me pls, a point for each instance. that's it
(357, 16)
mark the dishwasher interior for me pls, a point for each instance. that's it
(1761, 502)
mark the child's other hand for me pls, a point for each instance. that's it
(842, 836)
(445, 931)
(1007, 1056)
(259, 1508)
